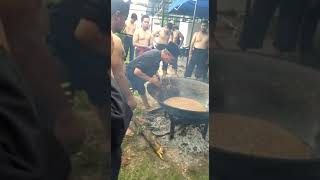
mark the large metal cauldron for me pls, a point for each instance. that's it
(274, 90)
(173, 87)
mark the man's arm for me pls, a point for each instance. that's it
(156, 33)
(192, 44)
(90, 35)
(119, 71)
(141, 75)
(135, 38)
(125, 29)
(181, 39)
(171, 37)
(151, 42)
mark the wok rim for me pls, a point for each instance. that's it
(183, 110)
(161, 102)
(231, 154)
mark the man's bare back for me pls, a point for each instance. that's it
(142, 38)
(201, 40)
(177, 37)
(163, 35)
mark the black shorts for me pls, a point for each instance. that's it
(137, 83)
(88, 73)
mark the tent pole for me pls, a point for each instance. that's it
(193, 20)
(163, 6)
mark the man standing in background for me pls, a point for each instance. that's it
(178, 38)
(129, 29)
(142, 38)
(198, 53)
(164, 36)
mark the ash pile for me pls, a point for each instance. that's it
(188, 138)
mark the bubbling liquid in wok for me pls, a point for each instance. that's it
(185, 104)
(257, 137)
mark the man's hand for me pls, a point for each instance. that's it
(155, 81)
(132, 102)
(190, 56)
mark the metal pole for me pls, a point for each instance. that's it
(163, 6)
(245, 22)
(193, 20)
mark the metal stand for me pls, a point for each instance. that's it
(175, 120)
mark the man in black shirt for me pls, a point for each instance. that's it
(144, 68)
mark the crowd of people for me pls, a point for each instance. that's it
(41, 50)
(147, 49)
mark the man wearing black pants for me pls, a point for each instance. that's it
(120, 118)
(145, 67)
(121, 112)
(129, 31)
(287, 30)
(198, 53)
(164, 36)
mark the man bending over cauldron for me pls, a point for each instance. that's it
(145, 67)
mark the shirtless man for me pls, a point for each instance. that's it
(177, 38)
(121, 97)
(142, 38)
(198, 54)
(164, 36)
(129, 30)
(117, 64)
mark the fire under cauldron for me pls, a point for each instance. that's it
(188, 88)
(280, 92)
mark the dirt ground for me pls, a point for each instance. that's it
(139, 161)
(90, 162)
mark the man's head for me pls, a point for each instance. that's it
(134, 17)
(171, 53)
(175, 27)
(145, 19)
(170, 26)
(119, 13)
(204, 26)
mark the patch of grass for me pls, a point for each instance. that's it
(90, 162)
(81, 101)
(146, 168)
(198, 173)
(141, 163)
